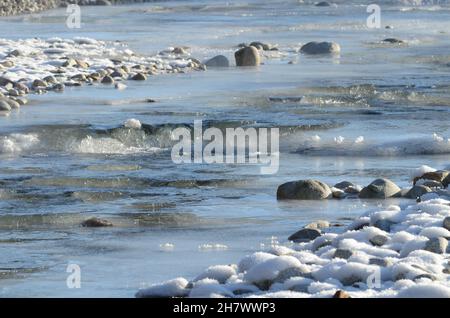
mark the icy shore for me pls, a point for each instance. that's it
(394, 252)
(42, 65)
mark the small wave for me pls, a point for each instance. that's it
(340, 146)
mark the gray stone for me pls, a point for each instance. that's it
(380, 189)
(107, 80)
(344, 185)
(289, 273)
(139, 77)
(247, 56)
(380, 262)
(39, 84)
(417, 191)
(436, 245)
(342, 253)
(433, 184)
(314, 48)
(378, 240)
(218, 61)
(304, 190)
(4, 106)
(12, 103)
(323, 4)
(384, 225)
(304, 235)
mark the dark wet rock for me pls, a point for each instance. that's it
(380, 189)
(343, 253)
(39, 84)
(304, 235)
(436, 245)
(139, 77)
(15, 53)
(218, 61)
(341, 294)
(446, 223)
(96, 222)
(320, 48)
(343, 185)
(247, 56)
(384, 225)
(433, 184)
(107, 80)
(378, 240)
(323, 4)
(439, 176)
(417, 191)
(393, 41)
(304, 190)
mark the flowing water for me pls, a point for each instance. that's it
(67, 157)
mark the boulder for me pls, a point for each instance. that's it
(378, 240)
(304, 235)
(380, 189)
(247, 56)
(417, 191)
(304, 190)
(139, 77)
(342, 253)
(320, 48)
(323, 4)
(4, 106)
(107, 80)
(218, 61)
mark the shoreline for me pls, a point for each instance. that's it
(401, 251)
(19, 7)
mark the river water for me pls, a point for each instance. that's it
(66, 157)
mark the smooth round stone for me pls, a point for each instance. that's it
(380, 189)
(139, 77)
(304, 190)
(304, 235)
(107, 80)
(4, 106)
(314, 48)
(247, 56)
(218, 61)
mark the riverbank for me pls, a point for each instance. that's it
(17, 7)
(399, 251)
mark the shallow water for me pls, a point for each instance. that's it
(67, 157)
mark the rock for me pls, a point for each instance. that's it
(433, 184)
(343, 185)
(120, 86)
(304, 190)
(427, 276)
(4, 106)
(436, 245)
(323, 4)
(13, 104)
(341, 294)
(22, 101)
(247, 56)
(378, 240)
(320, 224)
(393, 41)
(446, 181)
(218, 61)
(262, 46)
(118, 73)
(438, 176)
(7, 63)
(15, 53)
(96, 222)
(320, 48)
(417, 191)
(384, 225)
(107, 80)
(380, 189)
(338, 193)
(58, 87)
(446, 223)
(289, 273)
(179, 51)
(82, 64)
(380, 262)
(39, 84)
(343, 253)
(139, 77)
(50, 79)
(304, 235)
(69, 63)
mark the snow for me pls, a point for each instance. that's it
(172, 288)
(404, 268)
(132, 123)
